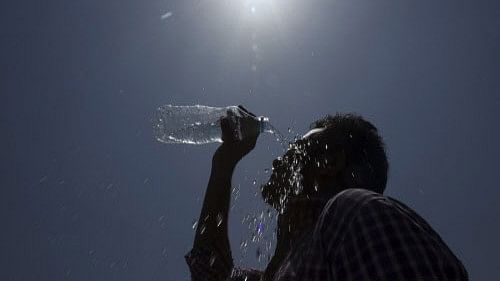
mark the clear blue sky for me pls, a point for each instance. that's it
(87, 194)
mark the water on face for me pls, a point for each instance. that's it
(261, 224)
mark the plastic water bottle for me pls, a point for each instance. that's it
(199, 124)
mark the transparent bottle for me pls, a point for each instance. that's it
(199, 124)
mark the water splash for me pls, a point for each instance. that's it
(279, 136)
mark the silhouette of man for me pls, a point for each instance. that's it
(334, 222)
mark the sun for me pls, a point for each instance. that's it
(258, 10)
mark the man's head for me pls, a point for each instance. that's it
(339, 152)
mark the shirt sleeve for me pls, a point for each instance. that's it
(385, 240)
(206, 264)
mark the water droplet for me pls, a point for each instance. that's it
(125, 264)
(260, 228)
(44, 178)
(219, 219)
(254, 182)
(243, 244)
(166, 15)
(289, 130)
(266, 171)
(195, 224)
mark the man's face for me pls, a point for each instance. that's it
(289, 171)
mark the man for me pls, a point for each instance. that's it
(334, 224)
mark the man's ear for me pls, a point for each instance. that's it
(336, 164)
(329, 178)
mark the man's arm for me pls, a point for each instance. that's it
(211, 240)
(212, 223)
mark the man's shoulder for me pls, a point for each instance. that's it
(349, 203)
(356, 195)
(343, 208)
(357, 218)
(352, 203)
(350, 199)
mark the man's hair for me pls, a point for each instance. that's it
(364, 149)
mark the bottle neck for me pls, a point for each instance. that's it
(265, 126)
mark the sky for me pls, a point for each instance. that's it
(88, 194)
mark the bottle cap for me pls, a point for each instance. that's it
(263, 123)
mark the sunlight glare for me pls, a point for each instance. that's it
(258, 10)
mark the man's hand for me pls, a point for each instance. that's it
(242, 124)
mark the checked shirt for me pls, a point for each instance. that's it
(359, 236)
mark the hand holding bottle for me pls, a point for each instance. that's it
(240, 130)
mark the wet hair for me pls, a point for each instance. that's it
(364, 149)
